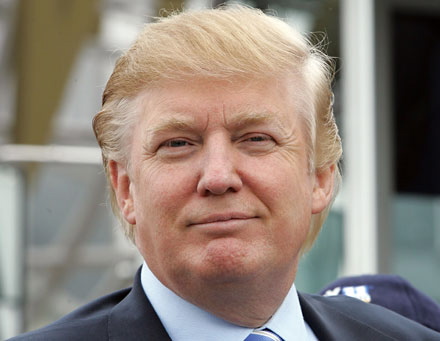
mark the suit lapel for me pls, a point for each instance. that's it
(329, 323)
(135, 319)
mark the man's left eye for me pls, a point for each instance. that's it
(257, 143)
(259, 138)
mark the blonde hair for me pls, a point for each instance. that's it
(224, 43)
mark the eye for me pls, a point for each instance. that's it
(259, 138)
(257, 143)
(175, 143)
(176, 148)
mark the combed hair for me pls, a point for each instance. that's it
(227, 43)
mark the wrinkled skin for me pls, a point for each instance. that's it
(220, 192)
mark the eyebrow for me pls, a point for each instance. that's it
(175, 123)
(247, 118)
(172, 123)
(183, 121)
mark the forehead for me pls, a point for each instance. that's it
(230, 101)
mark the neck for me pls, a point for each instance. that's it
(245, 303)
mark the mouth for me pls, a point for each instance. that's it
(223, 218)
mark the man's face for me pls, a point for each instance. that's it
(219, 188)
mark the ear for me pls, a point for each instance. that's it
(323, 188)
(122, 186)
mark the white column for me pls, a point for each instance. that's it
(11, 253)
(359, 135)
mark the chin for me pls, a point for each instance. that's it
(227, 261)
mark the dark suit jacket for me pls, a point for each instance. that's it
(127, 315)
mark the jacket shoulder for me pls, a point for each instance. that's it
(348, 317)
(89, 322)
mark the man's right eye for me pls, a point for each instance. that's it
(176, 148)
(175, 143)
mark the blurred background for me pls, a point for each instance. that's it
(60, 245)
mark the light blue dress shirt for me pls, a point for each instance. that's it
(184, 321)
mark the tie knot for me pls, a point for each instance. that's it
(263, 335)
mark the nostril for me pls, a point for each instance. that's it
(219, 184)
(218, 167)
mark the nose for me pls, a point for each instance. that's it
(219, 170)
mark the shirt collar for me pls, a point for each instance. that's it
(183, 320)
(288, 321)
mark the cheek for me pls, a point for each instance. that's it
(159, 197)
(287, 193)
(161, 192)
(284, 181)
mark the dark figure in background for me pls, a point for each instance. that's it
(389, 291)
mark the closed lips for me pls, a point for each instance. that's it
(220, 218)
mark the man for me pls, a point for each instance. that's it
(220, 145)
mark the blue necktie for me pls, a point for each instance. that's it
(263, 335)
